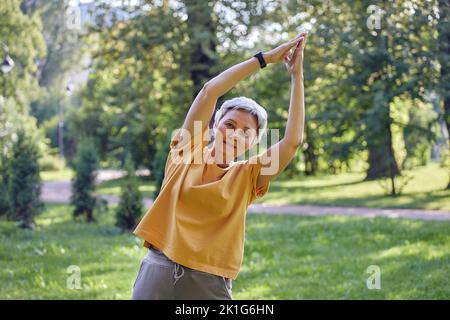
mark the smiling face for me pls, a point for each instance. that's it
(235, 133)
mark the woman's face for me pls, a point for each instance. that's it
(235, 133)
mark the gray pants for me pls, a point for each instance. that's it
(159, 278)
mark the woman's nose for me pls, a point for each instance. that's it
(238, 134)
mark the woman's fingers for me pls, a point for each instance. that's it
(300, 35)
(298, 45)
(297, 51)
(297, 42)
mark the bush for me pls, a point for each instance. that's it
(51, 162)
(83, 184)
(24, 182)
(159, 164)
(130, 206)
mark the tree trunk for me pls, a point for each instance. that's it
(90, 216)
(381, 160)
(202, 34)
(311, 163)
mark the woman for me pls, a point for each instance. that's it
(195, 228)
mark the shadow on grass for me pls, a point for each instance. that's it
(286, 257)
(34, 264)
(408, 200)
(291, 257)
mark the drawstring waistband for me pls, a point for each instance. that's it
(176, 276)
(163, 259)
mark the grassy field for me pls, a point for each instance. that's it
(286, 257)
(113, 187)
(424, 191)
(65, 174)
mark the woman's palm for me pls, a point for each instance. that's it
(294, 63)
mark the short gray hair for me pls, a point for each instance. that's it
(247, 104)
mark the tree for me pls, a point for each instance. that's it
(15, 25)
(83, 184)
(62, 42)
(129, 210)
(444, 61)
(24, 184)
(148, 69)
(159, 165)
(362, 70)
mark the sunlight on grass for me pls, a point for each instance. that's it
(285, 257)
(113, 187)
(424, 191)
(60, 175)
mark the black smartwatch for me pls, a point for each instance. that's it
(261, 60)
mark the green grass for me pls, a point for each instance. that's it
(57, 175)
(286, 257)
(424, 191)
(113, 187)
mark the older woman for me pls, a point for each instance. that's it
(195, 228)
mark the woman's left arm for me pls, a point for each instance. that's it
(278, 156)
(225, 81)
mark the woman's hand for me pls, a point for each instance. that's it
(279, 53)
(294, 63)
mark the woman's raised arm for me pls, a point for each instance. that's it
(280, 154)
(202, 108)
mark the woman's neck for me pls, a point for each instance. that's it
(220, 165)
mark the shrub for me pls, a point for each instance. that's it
(83, 183)
(130, 206)
(24, 182)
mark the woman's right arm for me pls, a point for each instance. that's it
(200, 112)
(203, 106)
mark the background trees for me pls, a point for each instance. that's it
(375, 78)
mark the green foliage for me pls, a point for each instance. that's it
(51, 162)
(17, 126)
(46, 105)
(24, 183)
(83, 183)
(22, 34)
(130, 207)
(62, 43)
(159, 165)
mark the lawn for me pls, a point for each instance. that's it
(424, 191)
(57, 175)
(286, 257)
(113, 187)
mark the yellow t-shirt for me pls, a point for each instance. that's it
(198, 218)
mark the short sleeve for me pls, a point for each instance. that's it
(255, 169)
(183, 147)
(182, 140)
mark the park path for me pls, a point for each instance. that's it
(59, 192)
